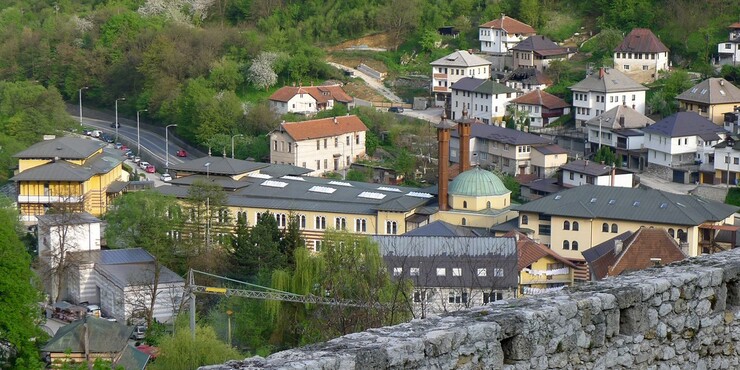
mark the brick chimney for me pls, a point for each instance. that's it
(601, 73)
(463, 129)
(443, 138)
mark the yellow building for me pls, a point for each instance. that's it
(540, 269)
(711, 98)
(77, 172)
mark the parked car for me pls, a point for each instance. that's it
(395, 109)
(107, 138)
(139, 332)
(165, 177)
(113, 124)
(118, 145)
(137, 159)
(150, 169)
(124, 148)
(96, 133)
(182, 153)
(143, 164)
(130, 155)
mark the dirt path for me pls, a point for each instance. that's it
(375, 84)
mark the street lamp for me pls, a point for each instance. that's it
(228, 314)
(138, 141)
(208, 169)
(607, 121)
(167, 146)
(208, 210)
(83, 88)
(117, 116)
(232, 144)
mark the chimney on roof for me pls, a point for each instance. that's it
(587, 163)
(614, 175)
(618, 245)
(335, 120)
(601, 73)
(621, 121)
(722, 82)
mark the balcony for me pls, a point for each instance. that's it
(46, 199)
(440, 76)
(440, 89)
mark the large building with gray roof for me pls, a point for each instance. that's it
(711, 98)
(603, 90)
(480, 99)
(453, 67)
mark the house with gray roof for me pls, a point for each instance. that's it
(538, 52)
(620, 128)
(680, 147)
(603, 90)
(582, 172)
(482, 99)
(526, 79)
(711, 98)
(451, 273)
(450, 69)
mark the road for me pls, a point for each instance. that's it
(375, 84)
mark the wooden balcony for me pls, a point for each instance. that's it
(440, 76)
(440, 89)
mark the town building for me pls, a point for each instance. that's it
(526, 79)
(575, 220)
(547, 159)
(641, 56)
(727, 161)
(632, 251)
(498, 36)
(76, 174)
(482, 99)
(711, 98)
(450, 69)
(540, 269)
(620, 128)
(681, 147)
(309, 100)
(602, 91)
(729, 51)
(323, 145)
(541, 107)
(583, 172)
(538, 52)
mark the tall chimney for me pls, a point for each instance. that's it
(443, 138)
(614, 175)
(601, 73)
(618, 245)
(463, 129)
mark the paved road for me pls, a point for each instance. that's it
(432, 115)
(375, 84)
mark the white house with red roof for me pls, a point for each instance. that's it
(541, 107)
(641, 55)
(322, 145)
(500, 35)
(309, 99)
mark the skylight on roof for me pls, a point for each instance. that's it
(385, 188)
(274, 184)
(340, 183)
(296, 178)
(694, 90)
(417, 194)
(722, 92)
(612, 201)
(260, 176)
(663, 205)
(593, 200)
(322, 189)
(703, 91)
(680, 204)
(371, 195)
(636, 203)
(557, 197)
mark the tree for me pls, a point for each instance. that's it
(399, 17)
(182, 351)
(207, 216)
(261, 73)
(256, 249)
(19, 311)
(606, 156)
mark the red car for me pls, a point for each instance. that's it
(150, 169)
(182, 153)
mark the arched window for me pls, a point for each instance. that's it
(525, 220)
(605, 227)
(465, 204)
(464, 221)
(574, 245)
(575, 225)
(615, 228)
(566, 225)
(681, 236)
(566, 245)
(488, 204)
(672, 232)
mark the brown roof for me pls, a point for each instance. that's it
(542, 98)
(509, 25)
(735, 25)
(529, 251)
(321, 93)
(325, 127)
(641, 40)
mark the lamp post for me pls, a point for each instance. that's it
(83, 88)
(208, 210)
(208, 169)
(232, 144)
(117, 116)
(167, 146)
(138, 141)
(228, 315)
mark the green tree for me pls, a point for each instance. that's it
(405, 163)
(512, 184)
(206, 210)
(256, 249)
(19, 311)
(606, 156)
(182, 352)
(358, 175)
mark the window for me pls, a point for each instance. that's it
(498, 272)
(274, 145)
(465, 204)
(525, 220)
(626, 66)
(456, 271)
(571, 175)
(318, 144)
(348, 140)
(615, 228)
(682, 236)
(317, 245)
(492, 297)
(320, 223)
(336, 142)
(360, 225)
(482, 272)
(488, 204)
(605, 227)
(671, 232)
(458, 297)
(340, 223)
(574, 246)
(357, 139)
(397, 271)
(391, 227)
(575, 225)
(566, 225)
(566, 245)
(414, 271)
(420, 296)
(544, 230)
(463, 222)
(282, 219)
(318, 164)
(441, 271)
(302, 221)
(326, 143)
(506, 146)
(326, 163)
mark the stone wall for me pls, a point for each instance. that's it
(682, 316)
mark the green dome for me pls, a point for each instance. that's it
(477, 183)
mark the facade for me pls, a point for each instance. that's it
(450, 69)
(540, 269)
(527, 79)
(683, 144)
(72, 173)
(309, 100)
(583, 172)
(729, 51)
(541, 108)
(727, 161)
(538, 52)
(619, 128)
(641, 56)
(482, 99)
(711, 98)
(323, 145)
(575, 220)
(602, 91)
(546, 159)
(500, 35)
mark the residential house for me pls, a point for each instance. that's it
(309, 100)
(641, 56)
(540, 269)
(602, 91)
(546, 159)
(632, 251)
(481, 98)
(452, 273)
(620, 128)
(539, 188)
(450, 69)
(538, 52)
(727, 161)
(575, 220)
(540, 107)
(711, 98)
(526, 79)
(681, 147)
(582, 172)
(729, 51)
(77, 174)
(323, 145)
(91, 338)
(498, 36)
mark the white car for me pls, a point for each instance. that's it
(165, 177)
(137, 159)
(143, 165)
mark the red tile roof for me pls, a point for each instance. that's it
(529, 251)
(510, 25)
(321, 93)
(325, 127)
(542, 98)
(641, 40)
(735, 25)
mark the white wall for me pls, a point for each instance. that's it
(597, 103)
(454, 74)
(497, 41)
(641, 63)
(487, 107)
(305, 154)
(621, 180)
(77, 237)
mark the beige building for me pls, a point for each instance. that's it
(538, 52)
(711, 98)
(641, 56)
(323, 145)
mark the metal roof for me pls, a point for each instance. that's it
(481, 86)
(712, 91)
(442, 228)
(137, 274)
(540, 44)
(684, 124)
(219, 166)
(587, 167)
(67, 219)
(430, 246)
(613, 81)
(460, 58)
(55, 171)
(65, 147)
(620, 117)
(278, 170)
(104, 337)
(503, 135)
(477, 182)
